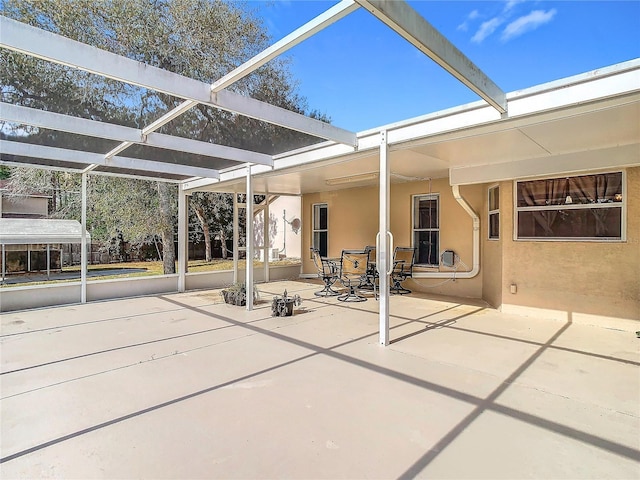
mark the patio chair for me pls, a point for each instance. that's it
(403, 260)
(370, 280)
(353, 269)
(327, 270)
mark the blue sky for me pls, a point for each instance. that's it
(363, 75)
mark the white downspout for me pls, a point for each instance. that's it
(476, 244)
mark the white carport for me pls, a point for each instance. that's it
(45, 231)
(503, 135)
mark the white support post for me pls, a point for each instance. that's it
(4, 263)
(249, 251)
(267, 244)
(183, 238)
(28, 258)
(384, 245)
(83, 243)
(236, 237)
(48, 261)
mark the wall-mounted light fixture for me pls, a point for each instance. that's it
(361, 177)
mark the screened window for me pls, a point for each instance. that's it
(494, 213)
(426, 229)
(586, 207)
(320, 228)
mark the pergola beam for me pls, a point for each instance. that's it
(49, 46)
(409, 24)
(82, 126)
(56, 168)
(88, 158)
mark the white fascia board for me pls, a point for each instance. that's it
(596, 88)
(576, 162)
(235, 173)
(335, 13)
(460, 122)
(617, 70)
(49, 46)
(408, 23)
(625, 82)
(82, 126)
(301, 161)
(87, 158)
(198, 184)
(611, 83)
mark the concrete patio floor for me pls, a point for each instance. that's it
(182, 386)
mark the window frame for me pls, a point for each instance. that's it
(622, 205)
(430, 196)
(315, 207)
(493, 212)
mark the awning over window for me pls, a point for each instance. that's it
(23, 231)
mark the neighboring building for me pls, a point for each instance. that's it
(284, 229)
(29, 241)
(34, 205)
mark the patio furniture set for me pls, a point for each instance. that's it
(356, 271)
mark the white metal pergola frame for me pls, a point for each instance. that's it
(398, 15)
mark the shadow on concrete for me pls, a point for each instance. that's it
(481, 404)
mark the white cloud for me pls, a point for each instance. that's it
(464, 26)
(512, 3)
(486, 29)
(527, 23)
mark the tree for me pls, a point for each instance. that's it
(201, 39)
(5, 172)
(214, 212)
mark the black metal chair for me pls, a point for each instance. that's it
(370, 281)
(327, 270)
(403, 261)
(353, 269)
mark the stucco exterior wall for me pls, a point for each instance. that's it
(568, 279)
(353, 223)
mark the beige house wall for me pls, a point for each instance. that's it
(561, 279)
(567, 279)
(353, 223)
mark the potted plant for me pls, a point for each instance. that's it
(282, 306)
(236, 294)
